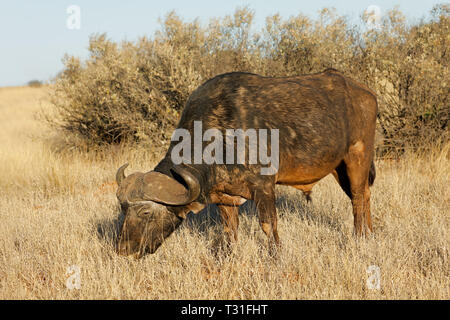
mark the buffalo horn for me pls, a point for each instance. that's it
(120, 175)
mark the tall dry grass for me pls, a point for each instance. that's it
(58, 209)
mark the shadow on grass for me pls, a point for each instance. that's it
(307, 211)
(108, 230)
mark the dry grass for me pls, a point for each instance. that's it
(59, 209)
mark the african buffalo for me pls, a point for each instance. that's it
(326, 124)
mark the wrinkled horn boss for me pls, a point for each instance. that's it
(167, 190)
(158, 187)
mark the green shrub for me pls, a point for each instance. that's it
(134, 91)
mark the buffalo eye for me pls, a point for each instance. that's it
(145, 213)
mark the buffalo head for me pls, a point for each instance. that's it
(154, 205)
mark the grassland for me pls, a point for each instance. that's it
(58, 209)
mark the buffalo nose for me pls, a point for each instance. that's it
(123, 248)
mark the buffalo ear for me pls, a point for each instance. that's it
(196, 207)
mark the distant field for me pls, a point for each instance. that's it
(58, 210)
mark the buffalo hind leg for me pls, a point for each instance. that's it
(352, 180)
(358, 165)
(340, 174)
(267, 213)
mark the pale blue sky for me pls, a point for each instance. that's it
(34, 36)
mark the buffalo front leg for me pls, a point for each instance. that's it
(267, 213)
(230, 220)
